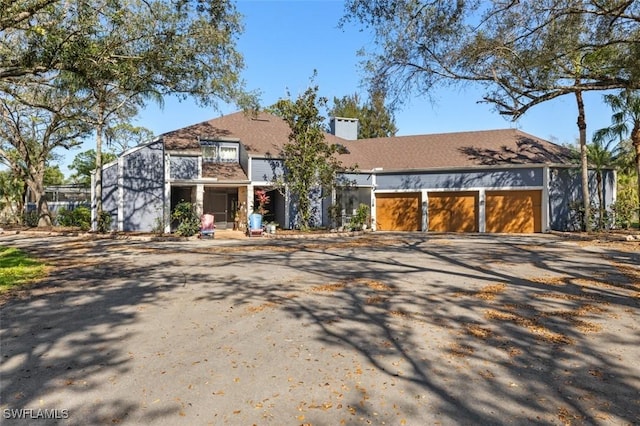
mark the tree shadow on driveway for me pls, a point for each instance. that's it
(485, 328)
(66, 332)
(397, 328)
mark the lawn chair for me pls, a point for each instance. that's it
(207, 226)
(255, 225)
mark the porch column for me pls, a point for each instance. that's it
(166, 214)
(374, 212)
(199, 198)
(249, 200)
(287, 209)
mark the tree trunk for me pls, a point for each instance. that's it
(582, 128)
(35, 182)
(24, 201)
(600, 186)
(98, 174)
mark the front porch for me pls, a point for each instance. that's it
(230, 205)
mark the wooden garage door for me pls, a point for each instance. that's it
(513, 211)
(453, 211)
(398, 212)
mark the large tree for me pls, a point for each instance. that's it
(310, 162)
(375, 120)
(522, 52)
(37, 121)
(121, 54)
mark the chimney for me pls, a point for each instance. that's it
(345, 128)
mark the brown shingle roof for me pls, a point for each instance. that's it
(262, 135)
(464, 149)
(223, 171)
(265, 134)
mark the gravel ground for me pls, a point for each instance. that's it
(384, 329)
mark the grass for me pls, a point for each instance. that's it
(16, 268)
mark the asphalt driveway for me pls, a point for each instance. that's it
(378, 329)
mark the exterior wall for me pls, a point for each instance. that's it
(143, 188)
(133, 189)
(461, 179)
(565, 189)
(316, 217)
(528, 178)
(243, 158)
(184, 168)
(356, 179)
(110, 193)
(265, 170)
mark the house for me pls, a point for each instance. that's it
(480, 181)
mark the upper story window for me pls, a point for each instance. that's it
(209, 152)
(219, 152)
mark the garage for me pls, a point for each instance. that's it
(398, 212)
(513, 211)
(453, 211)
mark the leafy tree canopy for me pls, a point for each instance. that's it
(375, 120)
(53, 175)
(522, 52)
(119, 55)
(36, 121)
(310, 162)
(184, 47)
(625, 123)
(84, 163)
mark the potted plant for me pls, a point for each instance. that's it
(263, 200)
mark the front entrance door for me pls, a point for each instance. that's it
(216, 204)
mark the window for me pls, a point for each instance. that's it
(219, 152)
(209, 152)
(228, 153)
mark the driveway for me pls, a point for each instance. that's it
(378, 329)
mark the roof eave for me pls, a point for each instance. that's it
(382, 170)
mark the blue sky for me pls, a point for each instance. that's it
(284, 41)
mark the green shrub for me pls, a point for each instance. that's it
(625, 212)
(360, 218)
(79, 217)
(188, 220)
(31, 219)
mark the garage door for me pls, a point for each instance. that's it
(398, 212)
(513, 211)
(453, 211)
